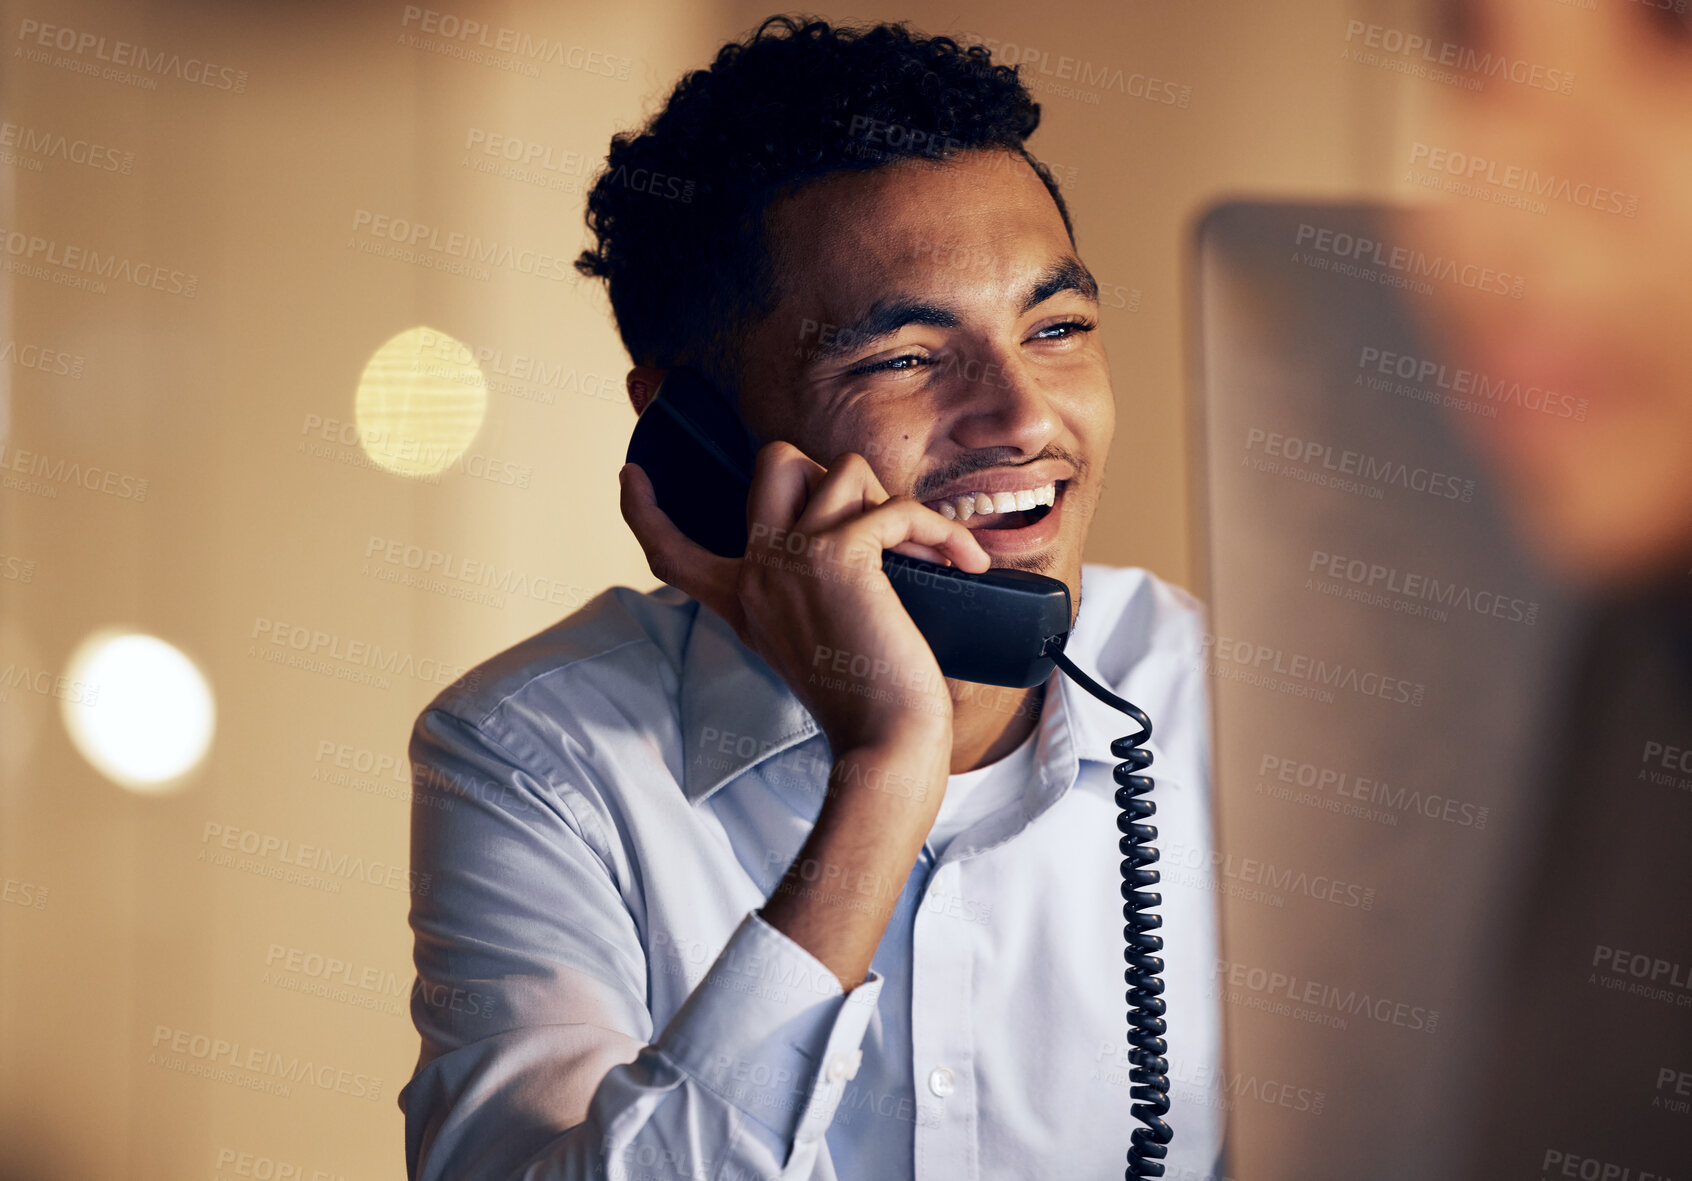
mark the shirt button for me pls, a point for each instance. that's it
(845, 1066)
(940, 1081)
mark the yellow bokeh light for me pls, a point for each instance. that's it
(421, 400)
(138, 709)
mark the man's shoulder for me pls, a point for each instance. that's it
(647, 630)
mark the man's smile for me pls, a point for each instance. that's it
(1028, 520)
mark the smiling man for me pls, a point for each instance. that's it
(730, 918)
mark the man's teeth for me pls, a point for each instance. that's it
(962, 508)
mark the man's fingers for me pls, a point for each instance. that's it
(850, 489)
(926, 553)
(674, 557)
(848, 500)
(908, 526)
(783, 479)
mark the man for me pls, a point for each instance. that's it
(731, 909)
(1589, 1070)
(1604, 496)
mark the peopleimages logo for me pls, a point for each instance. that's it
(36, 144)
(464, 37)
(1360, 471)
(1378, 367)
(1248, 871)
(1288, 994)
(62, 472)
(1365, 796)
(1040, 69)
(316, 859)
(1529, 182)
(1410, 263)
(1425, 51)
(72, 264)
(1275, 667)
(414, 241)
(1411, 592)
(1589, 1168)
(202, 1054)
(77, 43)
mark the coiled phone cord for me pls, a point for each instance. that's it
(1150, 1073)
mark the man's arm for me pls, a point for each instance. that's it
(539, 1058)
(528, 907)
(839, 894)
(893, 726)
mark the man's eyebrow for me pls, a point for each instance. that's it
(887, 316)
(1066, 274)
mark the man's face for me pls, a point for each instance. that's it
(1606, 301)
(933, 317)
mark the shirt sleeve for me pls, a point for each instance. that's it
(538, 1059)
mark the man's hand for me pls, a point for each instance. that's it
(809, 595)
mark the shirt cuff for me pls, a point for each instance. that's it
(771, 1031)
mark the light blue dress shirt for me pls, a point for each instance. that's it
(601, 816)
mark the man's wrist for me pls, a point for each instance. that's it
(910, 766)
(911, 771)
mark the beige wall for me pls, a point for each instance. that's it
(115, 925)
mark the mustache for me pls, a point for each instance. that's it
(987, 459)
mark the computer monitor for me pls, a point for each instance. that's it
(1385, 663)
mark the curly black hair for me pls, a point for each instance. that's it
(678, 211)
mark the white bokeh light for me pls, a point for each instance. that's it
(143, 715)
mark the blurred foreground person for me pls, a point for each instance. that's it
(1590, 1072)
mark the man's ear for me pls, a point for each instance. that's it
(642, 383)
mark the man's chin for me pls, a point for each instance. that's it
(1052, 560)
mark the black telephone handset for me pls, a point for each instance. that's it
(1001, 627)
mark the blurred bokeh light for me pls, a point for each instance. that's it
(138, 709)
(421, 400)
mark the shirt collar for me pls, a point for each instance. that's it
(1092, 725)
(736, 712)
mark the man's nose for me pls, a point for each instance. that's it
(998, 402)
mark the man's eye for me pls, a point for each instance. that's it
(1075, 328)
(892, 365)
(909, 361)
